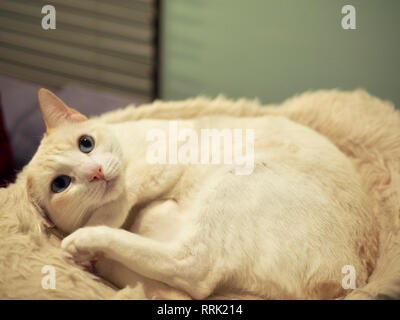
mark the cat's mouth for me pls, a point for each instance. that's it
(110, 185)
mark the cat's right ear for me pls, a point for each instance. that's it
(54, 111)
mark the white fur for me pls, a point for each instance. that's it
(285, 231)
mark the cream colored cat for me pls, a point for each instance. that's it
(284, 231)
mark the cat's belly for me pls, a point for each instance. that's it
(161, 220)
(285, 231)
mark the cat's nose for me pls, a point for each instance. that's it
(97, 173)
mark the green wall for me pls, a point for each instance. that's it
(275, 49)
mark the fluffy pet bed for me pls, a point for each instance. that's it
(363, 127)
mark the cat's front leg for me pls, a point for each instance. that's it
(84, 246)
(178, 264)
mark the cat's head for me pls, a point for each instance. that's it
(77, 168)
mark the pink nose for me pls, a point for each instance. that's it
(96, 173)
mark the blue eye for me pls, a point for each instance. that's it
(86, 144)
(60, 183)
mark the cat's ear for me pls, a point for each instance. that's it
(54, 111)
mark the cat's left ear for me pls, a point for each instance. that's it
(54, 111)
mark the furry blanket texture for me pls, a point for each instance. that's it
(363, 127)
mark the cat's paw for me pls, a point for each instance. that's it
(86, 245)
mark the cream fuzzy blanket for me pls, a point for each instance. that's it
(363, 127)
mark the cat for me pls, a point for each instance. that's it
(285, 231)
